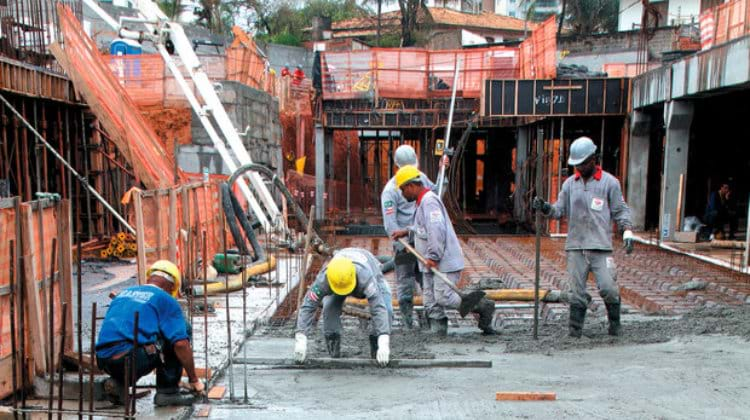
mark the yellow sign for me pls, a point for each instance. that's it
(439, 147)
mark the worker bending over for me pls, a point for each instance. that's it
(590, 199)
(398, 214)
(163, 339)
(436, 240)
(351, 272)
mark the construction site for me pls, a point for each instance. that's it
(143, 156)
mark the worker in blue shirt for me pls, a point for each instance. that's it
(163, 339)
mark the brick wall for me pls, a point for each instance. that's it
(617, 42)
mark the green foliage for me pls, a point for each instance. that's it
(592, 16)
(389, 40)
(169, 7)
(285, 38)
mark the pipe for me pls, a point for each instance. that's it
(497, 295)
(326, 363)
(235, 283)
(441, 175)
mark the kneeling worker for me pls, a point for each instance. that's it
(351, 272)
(163, 338)
(436, 240)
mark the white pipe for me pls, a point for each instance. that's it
(441, 176)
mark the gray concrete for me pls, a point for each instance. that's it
(320, 171)
(638, 155)
(722, 66)
(689, 377)
(255, 115)
(522, 145)
(679, 116)
(279, 55)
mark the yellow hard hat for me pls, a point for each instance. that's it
(167, 270)
(405, 174)
(341, 275)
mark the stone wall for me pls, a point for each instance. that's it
(254, 113)
(616, 43)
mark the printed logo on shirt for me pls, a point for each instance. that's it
(611, 262)
(314, 293)
(371, 290)
(436, 216)
(597, 204)
(136, 295)
(389, 207)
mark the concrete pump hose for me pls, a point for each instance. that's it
(234, 284)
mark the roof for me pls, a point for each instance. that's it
(366, 25)
(484, 20)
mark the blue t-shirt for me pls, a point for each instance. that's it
(159, 316)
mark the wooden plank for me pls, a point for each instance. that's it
(217, 392)
(525, 396)
(71, 357)
(34, 321)
(66, 266)
(202, 410)
(140, 239)
(159, 230)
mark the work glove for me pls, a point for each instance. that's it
(541, 205)
(384, 350)
(197, 387)
(627, 237)
(300, 347)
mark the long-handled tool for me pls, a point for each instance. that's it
(468, 301)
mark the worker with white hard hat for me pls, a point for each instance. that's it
(163, 341)
(351, 272)
(398, 214)
(590, 199)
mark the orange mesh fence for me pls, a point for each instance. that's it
(626, 69)
(36, 250)
(112, 104)
(160, 217)
(732, 20)
(538, 52)
(413, 73)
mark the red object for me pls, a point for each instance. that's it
(285, 72)
(419, 199)
(299, 75)
(597, 173)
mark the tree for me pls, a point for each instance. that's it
(592, 16)
(409, 14)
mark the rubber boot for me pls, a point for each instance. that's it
(113, 392)
(577, 316)
(407, 309)
(613, 314)
(333, 344)
(440, 326)
(172, 398)
(486, 311)
(373, 346)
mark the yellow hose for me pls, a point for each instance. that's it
(498, 295)
(235, 282)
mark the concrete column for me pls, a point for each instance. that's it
(522, 145)
(637, 179)
(678, 117)
(320, 171)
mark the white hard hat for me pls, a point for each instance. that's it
(581, 149)
(405, 155)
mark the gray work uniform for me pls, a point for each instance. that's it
(371, 285)
(398, 214)
(590, 208)
(436, 239)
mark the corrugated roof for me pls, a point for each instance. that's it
(486, 20)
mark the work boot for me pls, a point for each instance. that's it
(577, 316)
(333, 344)
(613, 314)
(440, 326)
(407, 308)
(486, 311)
(114, 392)
(173, 398)
(373, 346)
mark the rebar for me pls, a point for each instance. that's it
(12, 302)
(244, 321)
(79, 313)
(134, 361)
(229, 323)
(60, 369)
(205, 308)
(92, 357)
(51, 311)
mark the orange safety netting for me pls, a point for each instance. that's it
(538, 52)
(112, 104)
(413, 73)
(627, 69)
(725, 22)
(244, 63)
(141, 76)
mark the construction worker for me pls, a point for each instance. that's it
(590, 199)
(436, 240)
(298, 76)
(163, 339)
(351, 272)
(285, 71)
(398, 214)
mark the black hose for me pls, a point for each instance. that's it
(234, 211)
